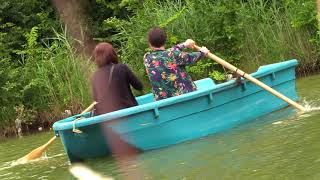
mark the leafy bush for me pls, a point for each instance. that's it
(218, 76)
(245, 33)
(49, 80)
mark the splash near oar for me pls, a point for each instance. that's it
(254, 80)
(37, 153)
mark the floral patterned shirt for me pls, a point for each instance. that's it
(166, 71)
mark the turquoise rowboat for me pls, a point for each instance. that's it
(155, 124)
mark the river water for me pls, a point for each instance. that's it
(282, 145)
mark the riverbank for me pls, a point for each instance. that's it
(26, 129)
(46, 124)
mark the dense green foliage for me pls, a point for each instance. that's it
(246, 33)
(43, 69)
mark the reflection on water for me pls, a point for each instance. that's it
(281, 145)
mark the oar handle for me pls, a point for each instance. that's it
(252, 79)
(49, 142)
(89, 107)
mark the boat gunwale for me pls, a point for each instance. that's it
(206, 109)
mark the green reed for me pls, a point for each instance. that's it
(50, 79)
(245, 33)
(272, 33)
(67, 75)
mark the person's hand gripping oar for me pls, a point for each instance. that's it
(252, 79)
(37, 153)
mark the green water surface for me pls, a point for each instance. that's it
(282, 145)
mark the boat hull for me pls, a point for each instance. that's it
(212, 108)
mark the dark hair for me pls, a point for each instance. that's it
(157, 37)
(105, 54)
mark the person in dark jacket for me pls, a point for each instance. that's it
(111, 81)
(111, 89)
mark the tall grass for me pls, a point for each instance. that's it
(272, 34)
(246, 33)
(53, 78)
(67, 75)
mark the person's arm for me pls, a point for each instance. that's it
(185, 58)
(133, 80)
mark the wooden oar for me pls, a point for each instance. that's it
(252, 79)
(37, 153)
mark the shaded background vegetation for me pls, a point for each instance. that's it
(45, 46)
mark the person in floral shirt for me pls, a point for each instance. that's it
(165, 67)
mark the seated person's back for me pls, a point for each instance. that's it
(111, 81)
(165, 67)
